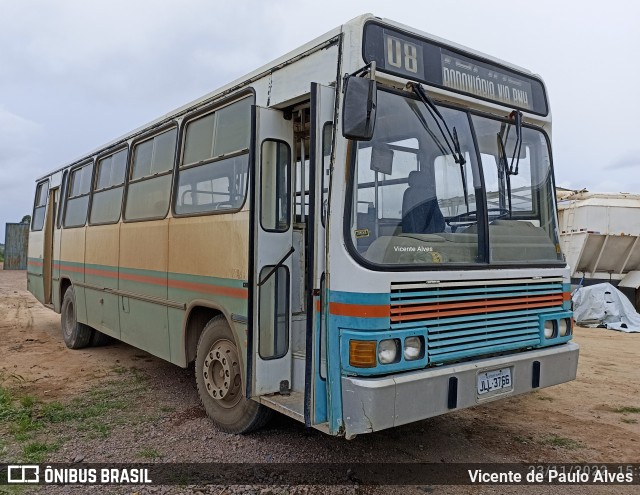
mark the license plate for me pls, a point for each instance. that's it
(490, 381)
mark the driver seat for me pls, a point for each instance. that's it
(420, 211)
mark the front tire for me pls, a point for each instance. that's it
(76, 335)
(220, 384)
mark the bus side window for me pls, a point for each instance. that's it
(40, 204)
(212, 176)
(75, 214)
(273, 339)
(107, 191)
(148, 190)
(275, 174)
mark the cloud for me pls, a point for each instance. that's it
(19, 165)
(629, 159)
(18, 147)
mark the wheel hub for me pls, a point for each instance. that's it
(221, 373)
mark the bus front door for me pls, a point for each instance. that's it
(321, 139)
(48, 251)
(270, 253)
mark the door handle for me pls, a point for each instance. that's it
(278, 265)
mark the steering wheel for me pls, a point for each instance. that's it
(471, 217)
(461, 220)
(466, 217)
(501, 212)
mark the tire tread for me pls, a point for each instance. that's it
(255, 420)
(81, 334)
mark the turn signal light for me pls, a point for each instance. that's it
(362, 353)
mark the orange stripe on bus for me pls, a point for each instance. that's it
(69, 268)
(460, 312)
(359, 310)
(235, 292)
(566, 296)
(145, 279)
(210, 289)
(101, 273)
(34, 263)
(525, 301)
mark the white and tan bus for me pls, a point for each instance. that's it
(359, 235)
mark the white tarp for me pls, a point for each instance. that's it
(605, 305)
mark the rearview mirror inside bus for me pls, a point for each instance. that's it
(359, 116)
(382, 160)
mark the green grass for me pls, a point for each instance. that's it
(18, 414)
(565, 443)
(37, 452)
(95, 428)
(628, 410)
(149, 454)
(630, 421)
(32, 422)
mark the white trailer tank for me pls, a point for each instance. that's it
(600, 233)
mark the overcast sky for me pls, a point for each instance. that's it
(75, 74)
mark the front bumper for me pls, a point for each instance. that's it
(372, 404)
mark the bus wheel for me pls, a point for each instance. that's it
(98, 339)
(76, 335)
(220, 383)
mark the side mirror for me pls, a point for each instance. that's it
(359, 109)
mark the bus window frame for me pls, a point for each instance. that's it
(173, 124)
(39, 184)
(94, 181)
(203, 112)
(62, 202)
(348, 202)
(289, 169)
(72, 169)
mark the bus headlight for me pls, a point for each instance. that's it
(412, 348)
(564, 327)
(388, 351)
(550, 329)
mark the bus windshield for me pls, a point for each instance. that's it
(413, 203)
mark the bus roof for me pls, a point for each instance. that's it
(354, 25)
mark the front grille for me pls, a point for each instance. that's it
(476, 317)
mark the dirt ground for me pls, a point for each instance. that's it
(593, 419)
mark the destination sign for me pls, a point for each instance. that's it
(419, 59)
(462, 74)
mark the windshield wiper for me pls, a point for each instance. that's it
(433, 110)
(503, 174)
(416, 111)
(516, 115)
(455, 148)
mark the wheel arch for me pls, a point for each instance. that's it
(64, 284)
(198, 314)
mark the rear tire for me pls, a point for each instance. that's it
(219, 382)
(98, 339)
(76, 335)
